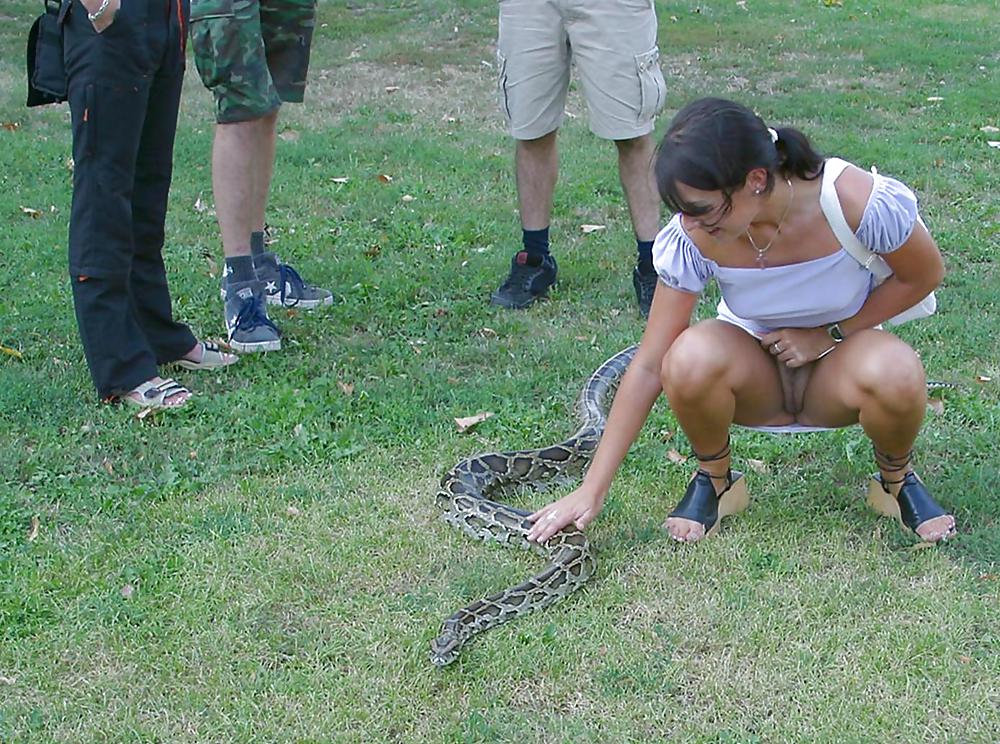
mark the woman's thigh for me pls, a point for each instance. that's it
(865, 363)
(747, 370)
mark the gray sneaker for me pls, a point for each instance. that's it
(284, 286)
(246, 317)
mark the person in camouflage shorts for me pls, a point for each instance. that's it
(253, 55)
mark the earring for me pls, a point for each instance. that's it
(756, 192)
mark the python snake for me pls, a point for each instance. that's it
(466, 496)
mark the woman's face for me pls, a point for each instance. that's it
(724, 222)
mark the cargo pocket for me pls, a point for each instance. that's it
(502, 100)
(652, 88)
(201, 9)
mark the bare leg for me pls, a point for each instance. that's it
(875, 379)
(716, 374)
(242, 163)
(635, 160)
(537, 163)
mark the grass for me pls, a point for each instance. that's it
(267, 565)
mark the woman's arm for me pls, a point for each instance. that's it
(639, 389)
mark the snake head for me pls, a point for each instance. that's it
(444, 649)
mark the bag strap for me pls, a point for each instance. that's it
(829, 202)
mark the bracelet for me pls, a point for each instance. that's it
(826, 352)
(99, 12)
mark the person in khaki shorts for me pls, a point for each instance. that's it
(253, 55)
(613, 45)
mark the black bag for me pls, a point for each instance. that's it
(46, 68)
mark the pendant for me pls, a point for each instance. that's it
(761, 260)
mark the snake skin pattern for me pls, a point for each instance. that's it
(467, 495)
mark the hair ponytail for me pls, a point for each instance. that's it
(796, 155)
(712, 144)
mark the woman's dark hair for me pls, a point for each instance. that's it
(712, 144)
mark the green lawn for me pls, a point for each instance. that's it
(268, 564)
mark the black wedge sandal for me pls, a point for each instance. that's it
(913, 505)
(702, 504)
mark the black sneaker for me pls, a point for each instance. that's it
(245, 308)
(530, 278)
(645, 286)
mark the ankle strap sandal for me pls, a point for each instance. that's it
(913, 504)
(701, 503)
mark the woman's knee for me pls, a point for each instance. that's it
(693, 364)
(891, 371)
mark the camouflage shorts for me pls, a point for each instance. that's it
(252, 54)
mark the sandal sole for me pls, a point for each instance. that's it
(733, 501)
(887, 506)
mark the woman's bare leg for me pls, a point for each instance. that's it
(716, 374)
(876, 379)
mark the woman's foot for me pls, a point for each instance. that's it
(207, 355)
(909, 501)
(158, 392)
(706, 501)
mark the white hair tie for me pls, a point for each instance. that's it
(773, 133)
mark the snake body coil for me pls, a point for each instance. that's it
(466, 496)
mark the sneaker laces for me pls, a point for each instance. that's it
(521, 274)
(287, 274)
(252, 315)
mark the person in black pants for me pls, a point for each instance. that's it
(125, 67)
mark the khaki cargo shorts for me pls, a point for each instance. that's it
(612, 43)
(252, 54)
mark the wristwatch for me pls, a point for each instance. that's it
(835, 333)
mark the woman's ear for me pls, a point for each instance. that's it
(757, 180)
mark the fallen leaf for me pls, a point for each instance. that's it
(340, 179)
(994, 144)
(11, 352)
(346, 388)
(32, 213)
(676, 457)
(440, 312)
(988, 577)
(936, 405)
(293, 511)
(407, 197)
(289, 135)
(587, 229)
(373, 251)
(144, 413)
(759, 466)
(8, 680)
(385, 178)
(391, 88)
(192, 455)
(983, 378)
(108, 467)
(213, 267)
(199, 205)
(965, 659)
(485, 332)
(581, 338)
(989, 128)
(70, 164)
(467, 422)
(33, 529)
(127, 591)
(11, 126)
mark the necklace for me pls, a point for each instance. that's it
(761, 252)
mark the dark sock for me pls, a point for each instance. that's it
(240, 269)
(256, 243)
(536, 242)
(645, 259)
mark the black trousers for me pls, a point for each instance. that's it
(124, 94)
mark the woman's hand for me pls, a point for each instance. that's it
(797, 346)
(107, 17)
(578, 508)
